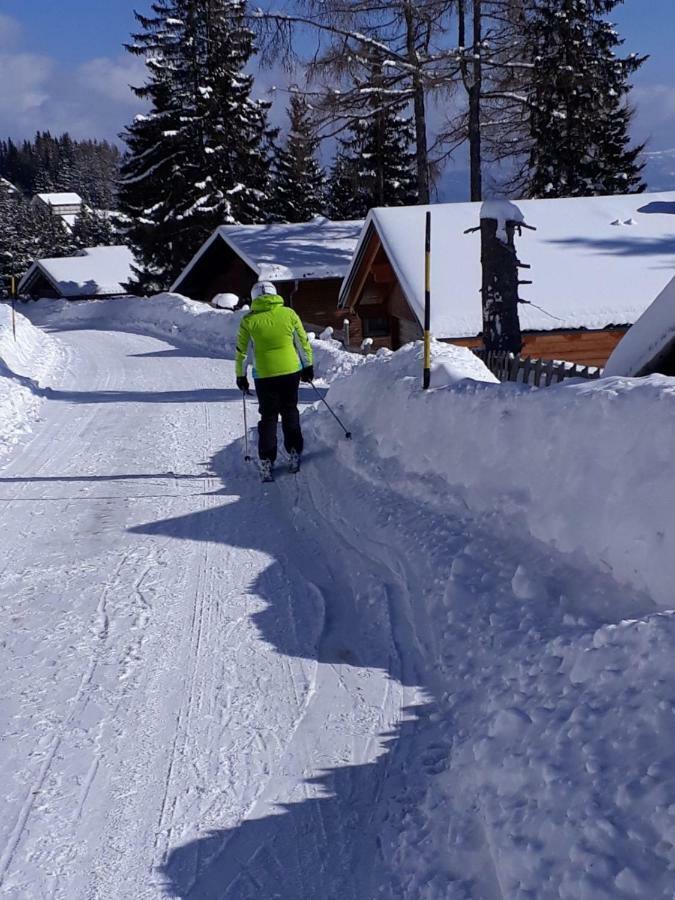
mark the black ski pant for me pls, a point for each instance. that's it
(278, 396)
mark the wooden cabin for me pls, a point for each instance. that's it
(596, 263)
(306, 262)
(94, 272)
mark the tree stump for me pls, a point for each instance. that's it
(501, 323)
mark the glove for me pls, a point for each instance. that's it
(242, 383)
(307, 374)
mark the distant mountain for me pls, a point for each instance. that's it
(659, 174)
(660, 170)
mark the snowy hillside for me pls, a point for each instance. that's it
(437, 664)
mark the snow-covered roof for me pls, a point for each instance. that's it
(94, 272)
(310, 250)
(596, 261)
(8, 184)
(649, 340)
(61, 199)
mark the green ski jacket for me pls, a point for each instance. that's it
(277, 337)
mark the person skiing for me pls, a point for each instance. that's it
(282, 357)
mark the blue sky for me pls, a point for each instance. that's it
(63, 67)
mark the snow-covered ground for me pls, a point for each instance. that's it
(27, 356)
(396, 675)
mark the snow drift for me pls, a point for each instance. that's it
(587, 467)
(23, 363)
(180, 321)
(168, 316)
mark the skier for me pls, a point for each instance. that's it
(282, 357)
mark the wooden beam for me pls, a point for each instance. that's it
(366, 263)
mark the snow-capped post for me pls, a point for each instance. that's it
(499, 221)
(345, 333)
(427, 305)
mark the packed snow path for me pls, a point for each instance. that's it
(178, 659)
(218, 690)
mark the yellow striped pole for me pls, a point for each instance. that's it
(427, 305)
(13, 293)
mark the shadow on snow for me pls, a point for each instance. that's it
(377, 806)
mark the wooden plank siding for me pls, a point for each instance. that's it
(587, 348)
(315, 301)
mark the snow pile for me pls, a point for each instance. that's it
(648, 340)
(180, 321)
(552, 730)
(569, 465)
(502, 211)
(331, 360)
(23, 364)
(170, 316)
(225, 301)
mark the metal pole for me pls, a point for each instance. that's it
(247, 457)
(427, 305)
(348, 434)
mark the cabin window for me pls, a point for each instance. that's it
(376, 326)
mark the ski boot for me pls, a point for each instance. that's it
(294, 462)
(265, 469)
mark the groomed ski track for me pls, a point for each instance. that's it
(218, 689)
(184, 649)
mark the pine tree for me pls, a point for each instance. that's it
(11, 261)
(380, 144)
(377, 155)
(51, 238)
(93, 229)
(200, 157)
(298, 189)
(579, 120)
(27, 233)
(344, 200)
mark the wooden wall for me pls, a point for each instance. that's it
(589, 348)
(315, 301)
(219, 271)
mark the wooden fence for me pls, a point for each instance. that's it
(537, 372)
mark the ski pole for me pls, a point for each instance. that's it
(247, 458)
(348, 434)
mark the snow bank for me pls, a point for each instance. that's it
(168, 316)
(23, 364)
(331, 361)
(180, 321)
(569, 464)
(652, 336)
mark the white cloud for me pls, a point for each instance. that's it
(10, 32)
(93, 99)
(655, 115)
(25, 78)
(110, 79)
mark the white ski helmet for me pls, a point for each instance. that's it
(263, 287)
